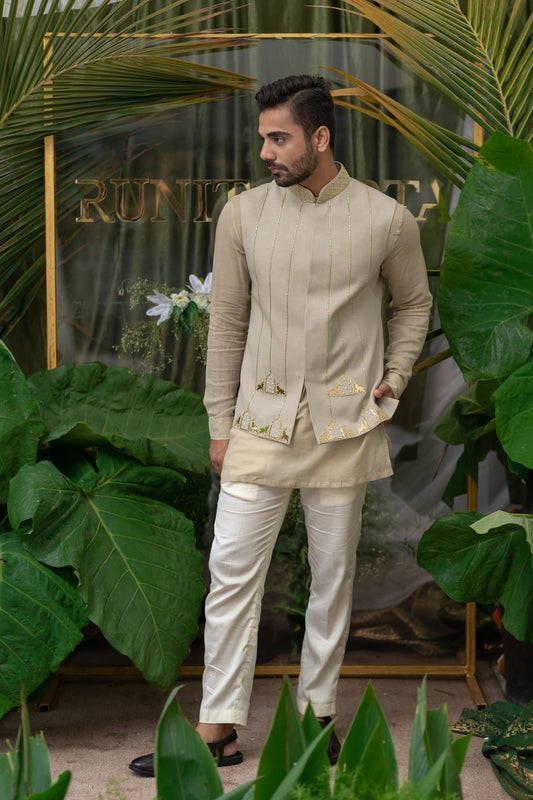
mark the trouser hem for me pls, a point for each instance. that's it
(223, 716)
(319, 709)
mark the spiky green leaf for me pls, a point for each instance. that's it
(368, 719)
(184, 767)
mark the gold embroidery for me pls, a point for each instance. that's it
(244, 421)
(270, 386)
(346, 386)
(278, 432)
(370, 418)
(328, 192)
(335, 431)
(274, 430)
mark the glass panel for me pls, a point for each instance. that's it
(143, 198)
(143, 202)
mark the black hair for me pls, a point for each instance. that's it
(309, 98)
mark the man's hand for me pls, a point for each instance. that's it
(384, 390)
(217, 451)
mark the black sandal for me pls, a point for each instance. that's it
(334, 746)
(217, 749)
(144, 765)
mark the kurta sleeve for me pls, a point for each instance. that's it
(404, 269)
(228, 325)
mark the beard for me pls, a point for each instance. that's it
(300, 169)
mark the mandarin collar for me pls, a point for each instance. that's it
(337, 185)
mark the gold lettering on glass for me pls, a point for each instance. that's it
(120, 210)
(163, 189)
(97, 201)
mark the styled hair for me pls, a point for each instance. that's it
(309, 98)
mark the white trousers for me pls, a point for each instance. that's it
(247, 524)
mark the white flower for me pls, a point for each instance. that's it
(200, 286)
(162, 308)
(180, 299)
(202, 301)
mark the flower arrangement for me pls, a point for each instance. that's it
(187, 310)
(182, 307)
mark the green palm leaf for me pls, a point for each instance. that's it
(478, 56)
(63, 68)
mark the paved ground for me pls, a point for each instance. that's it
(94, 728)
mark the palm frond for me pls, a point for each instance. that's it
(64, 67)
(452, 154)
(480, 58)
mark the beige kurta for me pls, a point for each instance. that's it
(296, 341)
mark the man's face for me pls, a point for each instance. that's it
(288, 154)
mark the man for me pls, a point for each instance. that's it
(298, 389)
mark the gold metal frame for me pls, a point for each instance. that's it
(466, 669)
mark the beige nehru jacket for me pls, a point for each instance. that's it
(296, 311)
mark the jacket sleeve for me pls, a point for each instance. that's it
(228, 325)
(404, 269)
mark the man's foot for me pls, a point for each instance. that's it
(221, 738)
(143, 765)
(334, 746)
(224, 750)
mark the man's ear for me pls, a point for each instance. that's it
(322, 138)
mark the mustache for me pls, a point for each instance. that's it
(272, 164)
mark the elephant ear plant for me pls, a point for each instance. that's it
(92, 463)
(486, 305)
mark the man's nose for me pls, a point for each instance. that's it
(266, 153)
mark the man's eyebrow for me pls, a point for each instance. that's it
(273, 134)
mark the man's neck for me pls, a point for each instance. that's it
(323, 174)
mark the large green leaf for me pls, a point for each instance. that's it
(470, 416)
(513, 403)
(492, 567)
(151, 419)
(20, 422)
(139, 570)
(40, 620)
(469, 420)
(486, 288)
